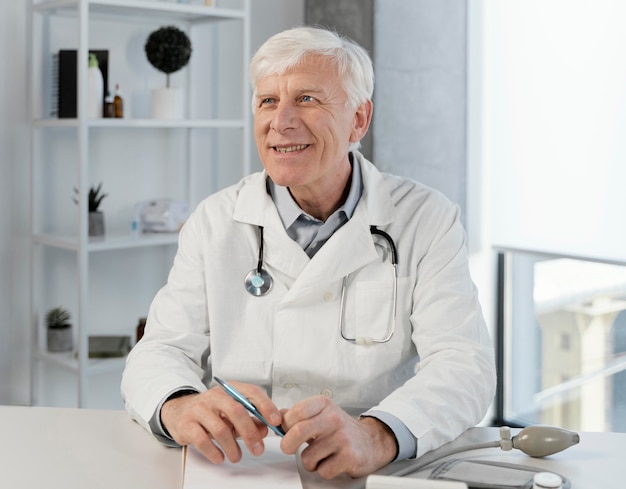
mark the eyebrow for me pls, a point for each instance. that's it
(300, 91)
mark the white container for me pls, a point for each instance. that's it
(96, 88)
(167, 103)
(546, 480)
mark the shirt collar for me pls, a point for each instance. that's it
(289, 211)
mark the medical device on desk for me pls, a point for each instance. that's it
(536, 441)
(258, 282)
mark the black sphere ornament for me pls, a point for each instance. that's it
(168, 49)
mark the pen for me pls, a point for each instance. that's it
(239, 397)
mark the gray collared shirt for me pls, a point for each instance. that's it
(309, 232)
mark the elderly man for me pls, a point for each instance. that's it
(335, 297)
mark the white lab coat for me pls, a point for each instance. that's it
(436, 374)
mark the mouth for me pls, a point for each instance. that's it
(290, 149)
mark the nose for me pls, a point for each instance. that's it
(285, 117)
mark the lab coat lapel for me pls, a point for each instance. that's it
(348, 249)
(352, 246)
(255, 206)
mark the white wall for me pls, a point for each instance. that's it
(269, 16)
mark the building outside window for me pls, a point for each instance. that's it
(563, 342)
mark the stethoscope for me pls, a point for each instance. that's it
(258, 282)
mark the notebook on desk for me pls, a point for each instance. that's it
(272, 470)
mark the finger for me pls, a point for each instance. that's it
(305, 409)
(251, 430)
(261, 401)
(204, 443)
(308, 421)
(318, 454)
(329, 467)
(235, 421)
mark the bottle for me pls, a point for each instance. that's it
(109, 108)
(96, 88)
(118, 102)
(546, 480)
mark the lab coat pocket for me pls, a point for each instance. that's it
(369, 316)
(374, 313)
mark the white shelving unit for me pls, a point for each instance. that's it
(107, 283)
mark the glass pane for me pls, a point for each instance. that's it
(565, 343)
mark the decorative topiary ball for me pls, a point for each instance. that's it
(168, 49)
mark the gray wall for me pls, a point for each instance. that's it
(420, 60)
(420, 100)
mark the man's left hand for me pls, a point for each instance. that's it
(337, 443)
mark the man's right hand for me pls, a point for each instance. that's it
(212, 421)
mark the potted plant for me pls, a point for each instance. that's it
(168, 49)
(59, 333)
(96, 217)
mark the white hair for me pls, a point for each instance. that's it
(287, 49)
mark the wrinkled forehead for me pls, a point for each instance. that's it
(316, 76)
(308, 63)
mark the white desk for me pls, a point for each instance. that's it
(56, 448)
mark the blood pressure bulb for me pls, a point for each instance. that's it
(541, 441)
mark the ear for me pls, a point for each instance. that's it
(362, 120)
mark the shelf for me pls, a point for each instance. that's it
(68, 361)
(81, 150)
(142, 10)
(145, 123)
(108, 242)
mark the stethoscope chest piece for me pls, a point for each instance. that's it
(258, 282)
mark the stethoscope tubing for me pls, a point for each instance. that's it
(368, 340)
(258, 282)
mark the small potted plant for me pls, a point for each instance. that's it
(96, 217)
(59, 334)
(168, 49)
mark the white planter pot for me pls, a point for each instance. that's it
(167, 103)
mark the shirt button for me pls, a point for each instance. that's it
(327, 392)
(289, 385)
(329, 297)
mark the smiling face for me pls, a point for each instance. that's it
(303, 128)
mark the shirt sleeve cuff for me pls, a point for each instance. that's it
(157, 428)
(407, 443)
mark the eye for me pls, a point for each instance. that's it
(266, 101)
(307, 98)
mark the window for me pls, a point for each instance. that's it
(562, 342)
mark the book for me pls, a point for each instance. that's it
(67, 76)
